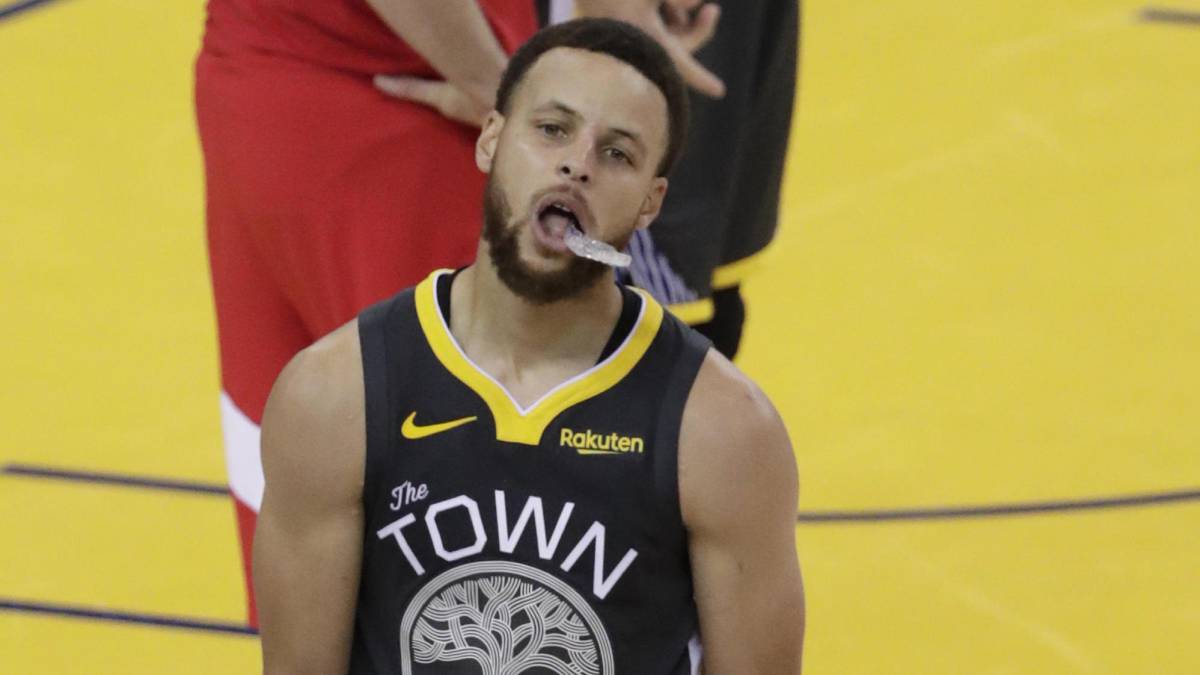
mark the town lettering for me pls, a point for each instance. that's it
(508, 534)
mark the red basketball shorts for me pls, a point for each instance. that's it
(323, 196)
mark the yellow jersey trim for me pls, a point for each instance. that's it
(694, 312)
(515, 424)
(734, 273)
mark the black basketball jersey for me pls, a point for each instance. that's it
(503, 539)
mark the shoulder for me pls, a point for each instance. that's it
(734, 451)
(324, 378)
(728, 417)
(313, 427)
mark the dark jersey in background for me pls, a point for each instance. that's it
(722, 207)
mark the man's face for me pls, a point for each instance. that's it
(579, 148)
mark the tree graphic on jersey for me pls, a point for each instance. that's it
(506, 625)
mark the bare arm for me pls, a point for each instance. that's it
(455, 38)
(738, 491)
(308, 543)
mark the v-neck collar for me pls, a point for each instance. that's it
(515, 423)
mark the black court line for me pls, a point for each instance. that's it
(1167, 15)
(928, 513)
(98, 614)
(9, 11)
(51, 473)
(993, 510)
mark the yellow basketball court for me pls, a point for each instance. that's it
(981, 322)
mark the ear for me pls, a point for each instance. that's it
(653, 202)
(489, 136)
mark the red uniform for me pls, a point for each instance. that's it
(323, 194)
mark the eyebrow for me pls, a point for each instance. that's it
(559, 106)
(633, 138)
(571, 112)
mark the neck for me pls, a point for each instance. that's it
(509, 333)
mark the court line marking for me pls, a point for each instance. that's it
(990, 510)
(123, 480)
(881, 515)
(9, 11)
(160, 620)
(999, 609)
(1153, 14)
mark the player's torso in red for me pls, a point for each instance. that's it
(341, 34)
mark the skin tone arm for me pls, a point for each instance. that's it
(455, 38)
(307, 547)
(738, 492)
(425, 25)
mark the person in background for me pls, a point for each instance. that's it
(323, 193)
(723, 208)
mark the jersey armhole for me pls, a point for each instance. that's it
(693, 348)
(372, 336)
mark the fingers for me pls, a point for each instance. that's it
(676, 18)
(427, 92)
(683, 39)
(684, 5)
(694, 74)
(443, 97)
(702, 28)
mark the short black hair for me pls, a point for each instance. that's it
(621, 41)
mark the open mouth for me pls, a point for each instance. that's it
(556, 217)
(558, 227)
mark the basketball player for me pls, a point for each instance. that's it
(522, 467)
(723, 209)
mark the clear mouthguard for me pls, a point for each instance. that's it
(586, 247)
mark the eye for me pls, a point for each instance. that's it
(619, 155)
(551, 129)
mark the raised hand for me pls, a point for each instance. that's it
(680, 26)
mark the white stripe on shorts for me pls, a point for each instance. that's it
(242, 459)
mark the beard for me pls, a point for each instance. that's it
(536, 287)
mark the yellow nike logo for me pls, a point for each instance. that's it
(412, 431)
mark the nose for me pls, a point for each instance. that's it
(574, 164)
(572, 171)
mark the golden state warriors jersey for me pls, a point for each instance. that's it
(508, 539)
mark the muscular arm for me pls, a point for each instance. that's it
(454, 37)
(738, 491)
(308, 543)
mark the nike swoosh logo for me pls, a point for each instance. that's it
(412, 431)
